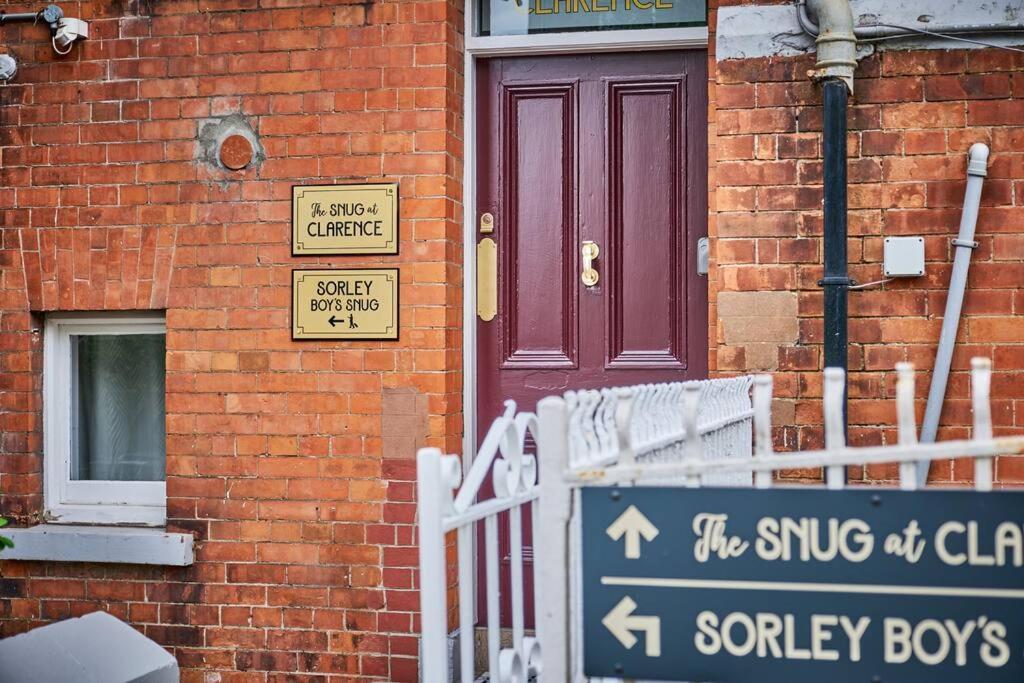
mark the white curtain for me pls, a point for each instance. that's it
(118, 408)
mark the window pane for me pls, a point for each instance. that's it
(118, 407)
(517, 17)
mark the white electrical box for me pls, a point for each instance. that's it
(903, 257)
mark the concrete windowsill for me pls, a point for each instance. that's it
(79, 543)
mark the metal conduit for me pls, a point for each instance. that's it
(881, 31)
(977, 168)
(8, 17)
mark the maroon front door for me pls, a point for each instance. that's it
(609, 149)
(576, 151)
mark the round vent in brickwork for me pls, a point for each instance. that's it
(236, 152)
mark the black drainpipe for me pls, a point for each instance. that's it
(837, 59)
(836, 280)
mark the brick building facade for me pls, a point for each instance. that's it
(292, 462)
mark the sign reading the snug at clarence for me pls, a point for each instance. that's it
(733, 585)
(351, 304)
(345, 219)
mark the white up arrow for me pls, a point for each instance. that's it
(632, 524)
(621, 622)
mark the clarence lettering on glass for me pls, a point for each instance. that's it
(575, 6)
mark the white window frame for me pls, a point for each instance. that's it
(88, 502)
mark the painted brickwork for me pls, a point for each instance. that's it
(291, 462)
(912, 120)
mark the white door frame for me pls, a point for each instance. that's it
(541, 44)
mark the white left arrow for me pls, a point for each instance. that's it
(632, 524)
(621, 622)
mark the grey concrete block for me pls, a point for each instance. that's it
(96, 648)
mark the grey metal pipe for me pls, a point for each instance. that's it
(977, 168)
(876, 32)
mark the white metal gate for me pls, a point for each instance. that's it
(628, 425)
(696, 433)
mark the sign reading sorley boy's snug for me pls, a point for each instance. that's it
(803, 585)
(345, 219)
(346, 304)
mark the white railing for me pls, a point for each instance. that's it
(696, 471)
(650, 434)
(651, 423)
(513, 477)
(836, 455)
(630, 426)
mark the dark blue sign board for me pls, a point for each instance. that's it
(803, 585)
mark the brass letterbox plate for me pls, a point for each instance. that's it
(486, 279)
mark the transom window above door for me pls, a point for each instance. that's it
(524, 17)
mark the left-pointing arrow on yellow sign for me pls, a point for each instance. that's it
(622, 623)
(632, 524)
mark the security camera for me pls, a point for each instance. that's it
(67, 32)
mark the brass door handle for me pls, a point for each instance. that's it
(590, 251)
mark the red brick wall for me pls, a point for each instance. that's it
(291, 462)
(912, 119)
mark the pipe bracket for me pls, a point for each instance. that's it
(970, 244)
(834, 281)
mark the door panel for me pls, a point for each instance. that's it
(539, 166)
(646, 241)
(610, 149)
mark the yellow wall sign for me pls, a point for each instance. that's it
(345, 219)
(349, 304)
